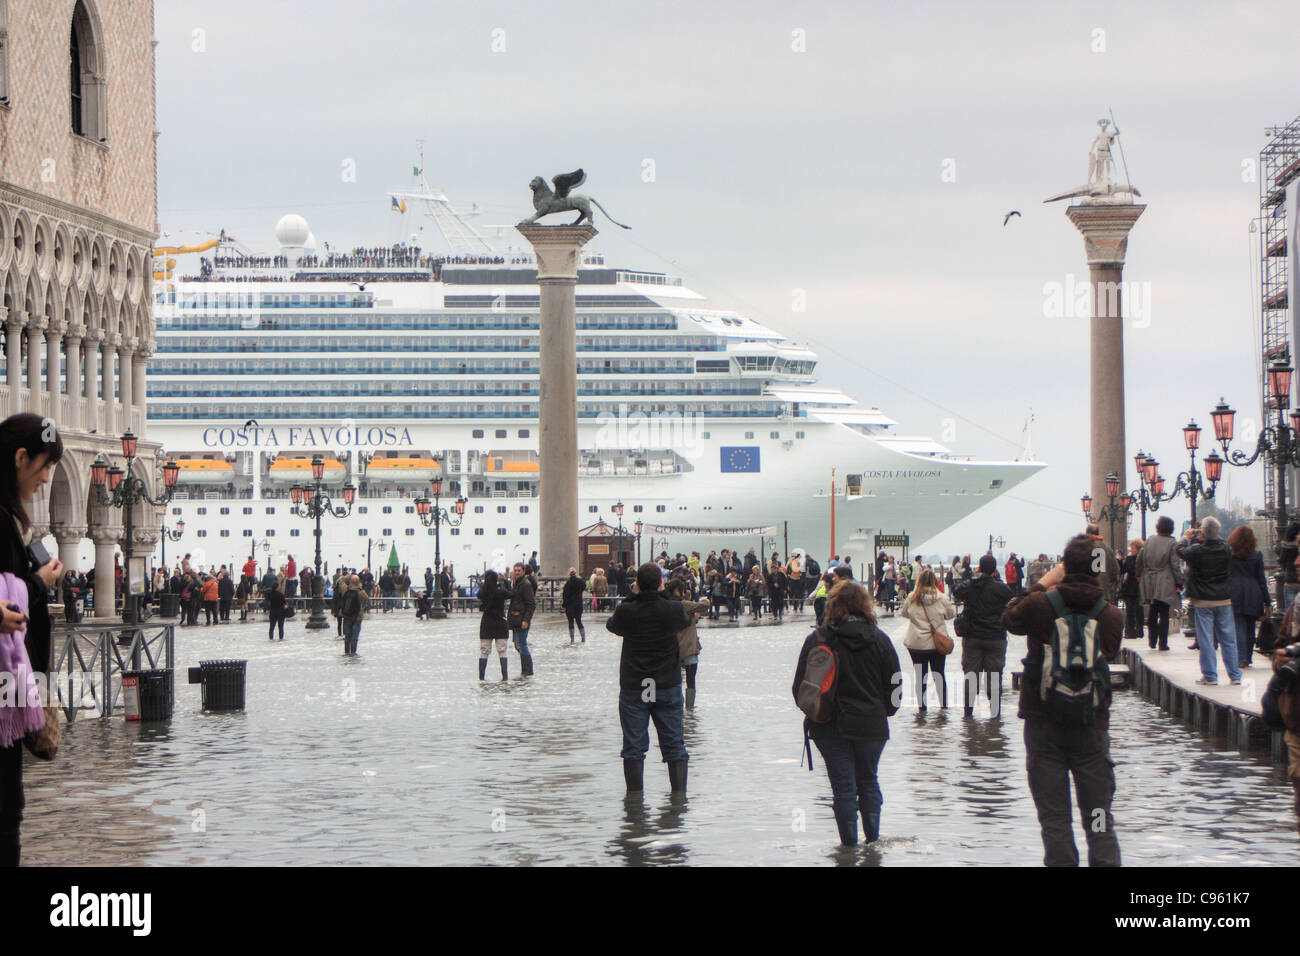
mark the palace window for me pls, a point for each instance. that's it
(86, 75)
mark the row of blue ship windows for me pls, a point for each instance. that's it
(361, 532)
(439, 321)
(159, 388)
(399, 366)
(319, 412)
(405, 344)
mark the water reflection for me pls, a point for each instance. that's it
(402, 756)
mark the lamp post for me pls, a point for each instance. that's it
(1191, 482)
(168, 535)
(1280, 443)
(311, 503)
(638, 528)
(999, 541)
(1146, 497)
(125, 491)
(1114, 511)
(433, 515)
(618, 510)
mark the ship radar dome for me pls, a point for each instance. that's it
(292, 230)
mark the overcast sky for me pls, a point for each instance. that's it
(761, 148)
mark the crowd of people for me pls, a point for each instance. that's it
(1069, 610)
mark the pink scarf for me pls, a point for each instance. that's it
(20, 703)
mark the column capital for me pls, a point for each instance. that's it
(127, 343)
(15, 320)
(103, 534)
(143, 351)
(556, 248)
(35, 323)
(74, 334)
(1105, 228)
(109, 340)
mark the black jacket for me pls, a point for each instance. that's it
(523, 602)
(1207, 569)
(225, 588)
(868, 681)
(1248, 586)
(649, 623)
(571, 596)
(983, 598)
(1130, 587)
(492, 626)
(275, 602)
(14, 560)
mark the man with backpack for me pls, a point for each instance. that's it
(1065, 703)
(984, 640)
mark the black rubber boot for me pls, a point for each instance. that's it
(848, 827)
(633, 773)
(677, 776)
(482, 668)
(690, 698)
(526, 666)
(505, 668)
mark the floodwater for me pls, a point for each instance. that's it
(401, 756)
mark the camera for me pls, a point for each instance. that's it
(1288, 672)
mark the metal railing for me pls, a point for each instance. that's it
(87, 663)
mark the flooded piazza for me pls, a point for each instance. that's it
(401, 756)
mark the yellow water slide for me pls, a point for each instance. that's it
(160, 274)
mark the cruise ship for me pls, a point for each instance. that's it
(398, 366)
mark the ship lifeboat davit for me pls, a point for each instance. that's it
(201, 468)
(403, 467)
(295, 469)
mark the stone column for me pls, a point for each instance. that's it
(72, 342)
(69, 547)
(124, 389)
(557, 249)
(107, 350)
(14, 358)
(53, 380)
(90, 364)
(105, 584)
(138, 397)
(34, 340)
(1105, 227)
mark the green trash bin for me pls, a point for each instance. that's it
(169, 605)
(152, 691)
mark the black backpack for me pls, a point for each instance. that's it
(1074, 684)
(811, 567)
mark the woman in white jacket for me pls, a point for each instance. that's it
(926, 610)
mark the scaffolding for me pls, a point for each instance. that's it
(1279, 164)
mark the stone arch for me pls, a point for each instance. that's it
(62, 254)
(32, 299)
(42, 248)
(68, 495)
(89, 107)
(20, 237)
(53, 303)
(81, 259)
(6, 233)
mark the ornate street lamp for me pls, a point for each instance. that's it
(638, 528)
(312, 503)
(1191, 482)
(168, 535)
(1113, 510)
(618, 510)
(433, 515)
(1280, 444)
(118, 487)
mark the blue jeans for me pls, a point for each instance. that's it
(1212, 623)
(635, 714)
(851, 766)
(520, 638)
(351, 634)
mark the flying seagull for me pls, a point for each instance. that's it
(1007, 218)
(251, 423)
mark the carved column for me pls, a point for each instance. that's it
(53, 380)
(14, 358)
(69, 548)
(1105, 227)
(35, 336)
(72, 343)
(105, 584)
(124, 353)
(107, 352)
(90, 364)
(557, 249)
(138, 396)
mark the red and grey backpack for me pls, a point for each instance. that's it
(816, 693)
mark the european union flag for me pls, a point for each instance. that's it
(740, 458)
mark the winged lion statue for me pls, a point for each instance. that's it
(562, 199)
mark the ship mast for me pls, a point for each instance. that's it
(460, 235)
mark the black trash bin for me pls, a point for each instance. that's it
(222, 684)
(154, 688)
(169, 605)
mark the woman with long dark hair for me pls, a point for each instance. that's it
(29, 448)
(492, 598)
(852, 741)
(571, 599)
(1249, 589)
(1287, 556)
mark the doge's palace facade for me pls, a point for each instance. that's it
(78, 219)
